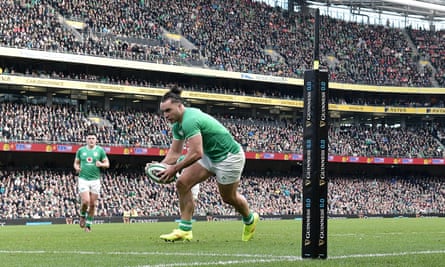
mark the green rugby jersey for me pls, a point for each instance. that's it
(88, 158)
(217, 141)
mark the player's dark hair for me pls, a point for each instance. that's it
(174, 95)
(91, 132)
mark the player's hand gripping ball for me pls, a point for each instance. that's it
(154, 169)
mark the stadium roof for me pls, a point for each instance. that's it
(431, 10)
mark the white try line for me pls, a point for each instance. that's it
(254, 258)
(382, 234)
(293, 258)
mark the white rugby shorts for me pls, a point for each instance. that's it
(227, 171)
(92, 186)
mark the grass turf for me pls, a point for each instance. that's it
(351, 242)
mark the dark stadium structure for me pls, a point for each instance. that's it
(429, 10)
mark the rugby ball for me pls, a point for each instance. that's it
(152, 172)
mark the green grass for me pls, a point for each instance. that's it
(351, 242)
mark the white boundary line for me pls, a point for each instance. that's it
(391, 233)
(257, 258)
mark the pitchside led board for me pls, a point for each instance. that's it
(315, 159)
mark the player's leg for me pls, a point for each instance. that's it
(228, 175)
(94, 196)
(91, 211)
(230, 195)
(84, 193)
(192, 175)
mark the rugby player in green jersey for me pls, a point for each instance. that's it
(88, 163)
(212, 151)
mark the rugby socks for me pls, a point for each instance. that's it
(83, 214)
(249, 219)
(89, 221)
(185, 225)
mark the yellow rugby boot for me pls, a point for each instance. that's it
(249, 230)
(178, 235)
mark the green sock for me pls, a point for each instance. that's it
(249, 219)
(89, 221)
(185, 225)
(83, 214)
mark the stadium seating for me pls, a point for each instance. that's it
(38, 193)
(239, 36)
(66, 124)
(242, 36)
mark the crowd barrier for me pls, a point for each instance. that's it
(157, 219)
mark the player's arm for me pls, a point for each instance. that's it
(194, 153)
(76, 164)
(174, 152)
(105, 163)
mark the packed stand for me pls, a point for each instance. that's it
(381, 141)
(242, 36)
(369, 54)
(37, 193)
(34, 26)
(127, 29)
(389, 196)
(66, 124)
(431, 47)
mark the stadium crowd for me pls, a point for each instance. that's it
(243, 36)
(52, 193)
(66, 124)
(432, 49)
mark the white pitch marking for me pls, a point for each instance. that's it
(260, 258)
(295, 258)
(391, 233)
